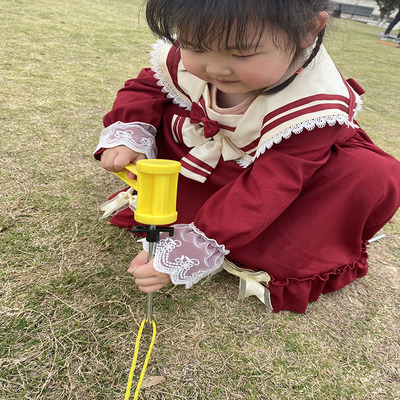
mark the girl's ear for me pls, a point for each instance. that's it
(314, 28)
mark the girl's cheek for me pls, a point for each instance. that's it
(189, 66)
(194, 69)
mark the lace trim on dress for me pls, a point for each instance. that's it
(138, 136)
(243, 163)
(213, 241)
(161, 81)
(188, 256)
(309, 125)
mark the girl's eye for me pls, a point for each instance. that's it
(242, 55)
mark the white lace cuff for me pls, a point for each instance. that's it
(138, 136)
(188, 256)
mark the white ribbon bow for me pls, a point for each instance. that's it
(119, 203)
(250, 283)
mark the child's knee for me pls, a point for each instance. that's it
(383, 180)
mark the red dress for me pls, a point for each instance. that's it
(302, 210)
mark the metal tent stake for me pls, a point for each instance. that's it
(149, 298)
(149, 309)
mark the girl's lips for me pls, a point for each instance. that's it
(226, 82)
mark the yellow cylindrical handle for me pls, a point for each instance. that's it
(156, 186)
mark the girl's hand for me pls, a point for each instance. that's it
(147, 279)
(116, 158)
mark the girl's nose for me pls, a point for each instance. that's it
(218, 68)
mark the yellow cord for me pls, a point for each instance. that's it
(135, 357)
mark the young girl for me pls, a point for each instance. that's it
(279, 185)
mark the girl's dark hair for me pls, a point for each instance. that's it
(204, 23)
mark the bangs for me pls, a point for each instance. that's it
(218, 33)
(206, 24)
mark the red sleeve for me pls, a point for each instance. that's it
(140, 100)
(242, 209)
(98, 154)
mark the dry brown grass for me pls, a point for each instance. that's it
(69, 311)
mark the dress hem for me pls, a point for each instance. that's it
(294, 294)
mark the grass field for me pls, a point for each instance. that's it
(69, 312)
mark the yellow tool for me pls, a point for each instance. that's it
(156, 185)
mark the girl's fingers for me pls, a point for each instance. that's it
(130, 175)
(144, 282)
(139, 260)
(105, 160)
(116, 158)
(138, 157)
(123, 159)
(146, 271)
(150, 285)
(152, 281)
(147, 279)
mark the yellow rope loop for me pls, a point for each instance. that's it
(134, 361)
